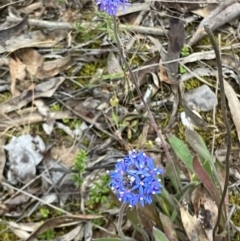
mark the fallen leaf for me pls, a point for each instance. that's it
(163, 76)
(176, 38)
(32, 59)
(113, 65)
(52, 68)
(184, 6)
(192, 226)
(168, 227)
(17, 73)
(56, 222)
(224, 13)
(205, 209)
(234, 105)
(10, 32)
(45, 89)
(32, 39)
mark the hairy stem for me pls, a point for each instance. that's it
(225, 119)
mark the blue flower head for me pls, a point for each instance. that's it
(111, 6)
(135, 179)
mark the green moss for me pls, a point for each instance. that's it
(235, 200)
(88, 70)
(192, 83)
(6, 234)
(5, 96)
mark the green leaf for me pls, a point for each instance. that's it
(198, 144)
(172, 175)
(115, 119)
(166, 202)
(158, 235)
(181, 151)
(205, 179)
(168, 227)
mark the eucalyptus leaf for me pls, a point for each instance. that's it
(158, 235)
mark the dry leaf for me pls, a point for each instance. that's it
(45, 89)
(17, 72)
(162, 74)
(205, 209)
(10, 32)
(192, 226)
(113, 65)
(32, 39)
(234, 105)
(62, 220)
(52, 68)
(176, 37)
(32, 59)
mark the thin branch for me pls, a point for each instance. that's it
(225, 119)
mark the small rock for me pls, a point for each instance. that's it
(202, 98)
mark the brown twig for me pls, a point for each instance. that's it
(225, 119)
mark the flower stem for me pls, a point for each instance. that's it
(119, 225)
(134, 79)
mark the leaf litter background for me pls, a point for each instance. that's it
(63, 90)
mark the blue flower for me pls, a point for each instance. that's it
(135, 179)
(111, 6)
